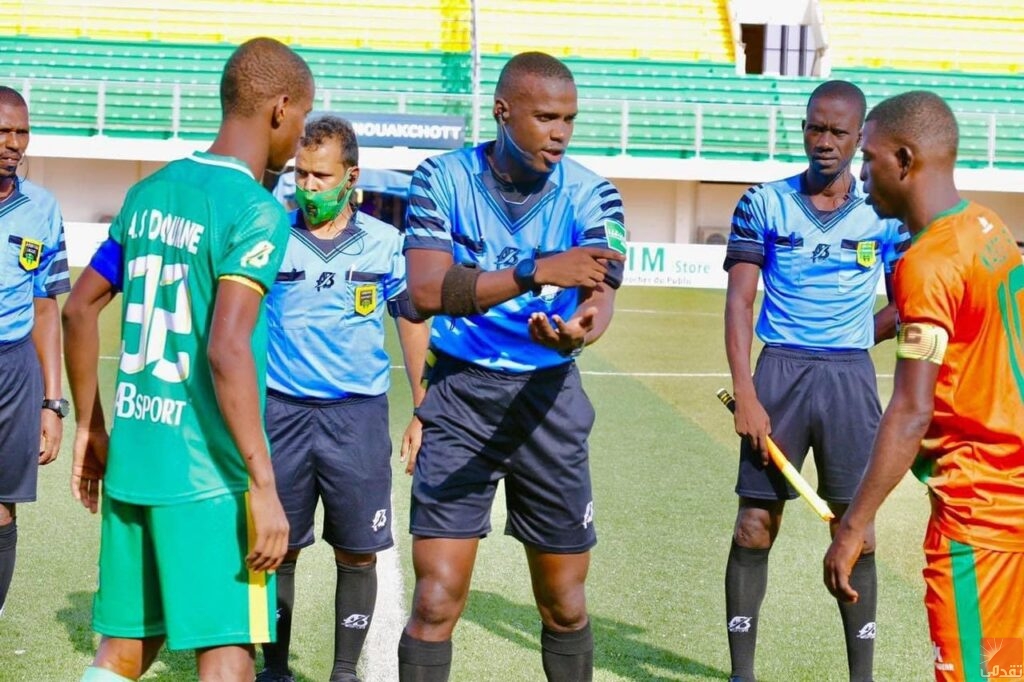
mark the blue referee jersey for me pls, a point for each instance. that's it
(455, 206)
(820, 269)
(33, 259)
(325, 312)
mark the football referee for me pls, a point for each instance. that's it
(327, 381)
(33, 271)
(820, 250)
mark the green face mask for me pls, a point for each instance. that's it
(320, 207)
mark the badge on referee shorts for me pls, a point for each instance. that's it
(866, 254)
(366, 299)
(31, 252)
(615, 233)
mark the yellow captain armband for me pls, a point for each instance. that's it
(921, 341)
(246, 282)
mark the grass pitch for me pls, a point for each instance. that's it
(663, 457)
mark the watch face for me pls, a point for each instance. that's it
(525, 271)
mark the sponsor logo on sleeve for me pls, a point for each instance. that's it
(258, 256)
(615, 233)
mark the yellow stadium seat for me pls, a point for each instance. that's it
(651, 29)
(932, 35)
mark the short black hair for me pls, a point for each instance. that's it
(843, 90)
(919, 119)
(11, 96)
(530, 64)
(324, 127)
(259, 70)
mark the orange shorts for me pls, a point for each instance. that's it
(975, 610)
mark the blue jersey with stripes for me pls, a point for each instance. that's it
(456, 205)
(33, 259)
(820, 269)
(325, 311)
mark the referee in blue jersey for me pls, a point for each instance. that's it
(327, 380)
(517, 251)
(33, 271)
(820, 250)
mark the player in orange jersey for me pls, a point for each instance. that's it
(958, 400)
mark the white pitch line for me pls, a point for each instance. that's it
(678, 375)
(659, 375)
(599, 373)
(380, 659)
(646, 311)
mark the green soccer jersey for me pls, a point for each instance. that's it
(181, 230)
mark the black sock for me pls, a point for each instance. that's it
(420, 661)
(8, 544)
(354, 599)
(275, 656)
(746, 581)
(568, 656)
(859, 619)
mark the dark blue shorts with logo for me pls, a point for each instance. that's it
(21, 400)
(825, 401)
(338, 452)
(530, 430)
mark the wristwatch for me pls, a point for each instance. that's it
(575, 351)
(58, 405)
(524, 274)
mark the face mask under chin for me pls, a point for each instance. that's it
(325, 205)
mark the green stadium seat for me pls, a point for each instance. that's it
(663, 97)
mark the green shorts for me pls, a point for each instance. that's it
(179, 570)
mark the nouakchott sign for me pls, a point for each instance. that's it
(408, 130)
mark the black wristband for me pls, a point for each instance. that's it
(458, 291)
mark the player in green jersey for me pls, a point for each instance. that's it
(191, 524)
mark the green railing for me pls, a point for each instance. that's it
(712, 130)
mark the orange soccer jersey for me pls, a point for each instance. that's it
(963, 273)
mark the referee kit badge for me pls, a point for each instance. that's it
(31, 252)
(866, 254)
(366, 299)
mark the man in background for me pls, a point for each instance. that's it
(327, 380)
(33, 272)
(820, 251)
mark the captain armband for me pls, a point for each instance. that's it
(921, 341)
(108, 262)
(458, 291)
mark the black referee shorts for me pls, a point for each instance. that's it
(338, 452)
(530, 430)
(21, 400)
(821, 400)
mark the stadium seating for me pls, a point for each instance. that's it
(927, 35)
(649, 29)
(736, 111)
(689, 102)
(687, 30)
(385, 24)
